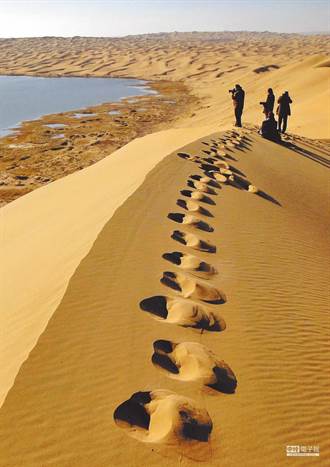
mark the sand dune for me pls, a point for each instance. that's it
(128, 286)
(193, 72)
(96, 350)
(208, 63)
(43, 274)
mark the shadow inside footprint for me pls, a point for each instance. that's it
(193, 430)
(164, 362)
(208, 167)
(155, 305)
(226, 381)
(133, 411)
(169, 279)
(174, 257)
(184, 155)
(176, 217)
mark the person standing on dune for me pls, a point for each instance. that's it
(283, 111)
(238, 96)
(269, 103)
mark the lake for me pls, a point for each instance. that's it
(28, 97)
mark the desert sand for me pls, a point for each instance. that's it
(168, 304)
(192, 71)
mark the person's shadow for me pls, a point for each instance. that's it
(307, 153)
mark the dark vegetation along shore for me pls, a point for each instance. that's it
(49, 148)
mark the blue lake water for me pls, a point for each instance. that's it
(28, 97)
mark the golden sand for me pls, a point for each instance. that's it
(168, 305)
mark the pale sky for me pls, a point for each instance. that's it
(26, 18)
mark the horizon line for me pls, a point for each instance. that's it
(312, 33)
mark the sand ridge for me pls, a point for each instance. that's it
(277, 239)
(65, 243)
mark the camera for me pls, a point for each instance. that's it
(232, 90)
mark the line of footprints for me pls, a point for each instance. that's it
(161, 415)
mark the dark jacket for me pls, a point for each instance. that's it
(284, 102)
(269, 104)
(238, 99)
(269, 129)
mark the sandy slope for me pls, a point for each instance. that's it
(67, 216)
(272, 260)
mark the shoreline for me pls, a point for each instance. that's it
(84, 141)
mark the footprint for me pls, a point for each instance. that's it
(221, 178)
(197, 195)
(229, 144)
(189, 157)
(192, 241)
(188, 219)
(192, 206)
(208, 167)
(222, 164)
(199, 185)
(191, 264)
(183, 312)
(206, 180)
(191, 361)
(190, 288)
(163, 416)
(210, 160)
(222, 153)
(226, 171)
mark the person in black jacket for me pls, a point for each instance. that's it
(238, 96)
(269, 103)
(269, 128)
(283, 111)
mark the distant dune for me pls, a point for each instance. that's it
(208, 62)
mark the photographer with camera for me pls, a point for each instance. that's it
(269, 103)
(238, 96)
